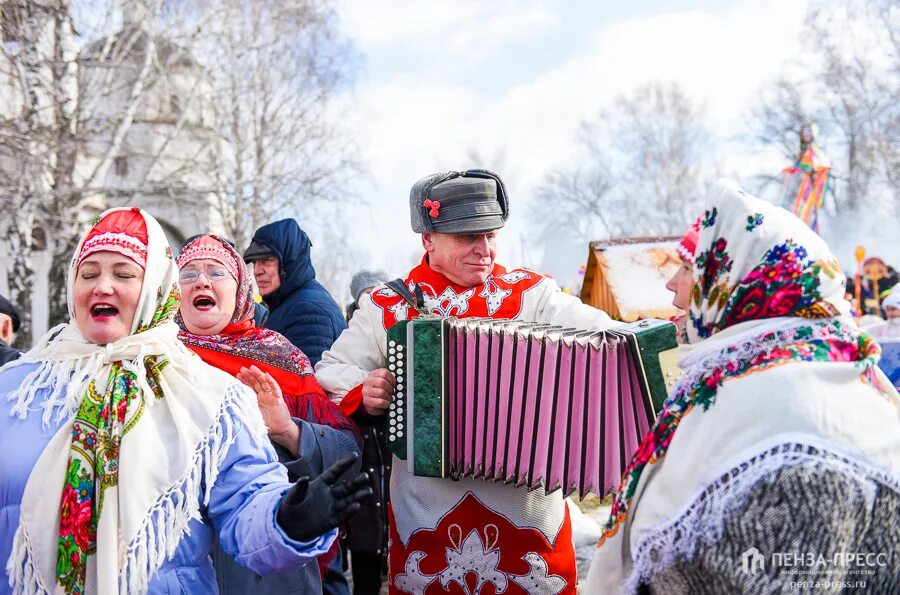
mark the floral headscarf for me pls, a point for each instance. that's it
(98, 513)
(758, 266)
(755, 261)
(242, 344)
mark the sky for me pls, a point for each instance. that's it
(506, 84)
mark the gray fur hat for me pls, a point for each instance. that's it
(471, 201)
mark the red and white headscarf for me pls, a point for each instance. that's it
(210, 247)
(687, 247)
(123, 231)
(138, 396)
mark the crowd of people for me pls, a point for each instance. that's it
(178, 436)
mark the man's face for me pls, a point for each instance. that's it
(265, 271)
(466, 259)
(6, 329)
(893, 312)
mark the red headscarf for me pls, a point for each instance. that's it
(242, 344)
(123, 231)
(687, 247)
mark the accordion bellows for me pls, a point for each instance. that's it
(524, 403)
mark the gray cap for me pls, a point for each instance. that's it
(471, 201)
(364, 280)
(257, 251)
(7, 307)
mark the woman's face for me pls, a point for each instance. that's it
(106, 293)
(680, 284)
(209, 295)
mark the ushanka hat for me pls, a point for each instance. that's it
(471, 201)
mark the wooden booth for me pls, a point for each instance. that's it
(627, 277)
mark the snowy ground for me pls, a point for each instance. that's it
(585, 533)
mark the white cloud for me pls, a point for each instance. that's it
(460, 29)
(415, 124)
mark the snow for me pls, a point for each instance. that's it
(637, 274)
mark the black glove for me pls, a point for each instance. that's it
(311, 508)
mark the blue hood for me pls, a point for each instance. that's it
(292, 247)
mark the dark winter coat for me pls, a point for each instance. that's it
(7, 353)
(300, 309)
(367, 530)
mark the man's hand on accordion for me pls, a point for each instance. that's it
(378, 391)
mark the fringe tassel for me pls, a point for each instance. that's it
(23, 576)
(167, 522)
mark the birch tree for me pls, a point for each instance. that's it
(76, 76)
(278, 68)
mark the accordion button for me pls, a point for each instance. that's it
(371, 469)
(391, 343)
(378, 504)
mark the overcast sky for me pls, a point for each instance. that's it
(512, 80)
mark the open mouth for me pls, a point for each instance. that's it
(204, 302)
(103, 311)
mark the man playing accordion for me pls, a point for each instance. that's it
(445, 535)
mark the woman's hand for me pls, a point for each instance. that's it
(282, 429)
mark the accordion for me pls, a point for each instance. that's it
(523, 403)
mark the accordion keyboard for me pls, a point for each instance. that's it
(396, 365)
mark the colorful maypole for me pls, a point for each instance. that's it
(807, 182)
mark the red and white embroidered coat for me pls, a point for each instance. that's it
(470, 535)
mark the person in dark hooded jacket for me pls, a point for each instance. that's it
(300, 308)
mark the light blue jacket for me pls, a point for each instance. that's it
(241, 511)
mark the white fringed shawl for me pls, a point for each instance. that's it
(175, 446)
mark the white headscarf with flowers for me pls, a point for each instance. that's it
(766, 292)
(125, 402)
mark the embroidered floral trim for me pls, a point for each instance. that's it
(197, 250)
(819, 341)
(117, 242)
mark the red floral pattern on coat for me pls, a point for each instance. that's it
(473, 549)
(500, 296)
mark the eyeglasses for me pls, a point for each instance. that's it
(214, 275)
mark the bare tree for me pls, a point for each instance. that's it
(277, 67)
(847, 80)
(105, 102)
(645, 172)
